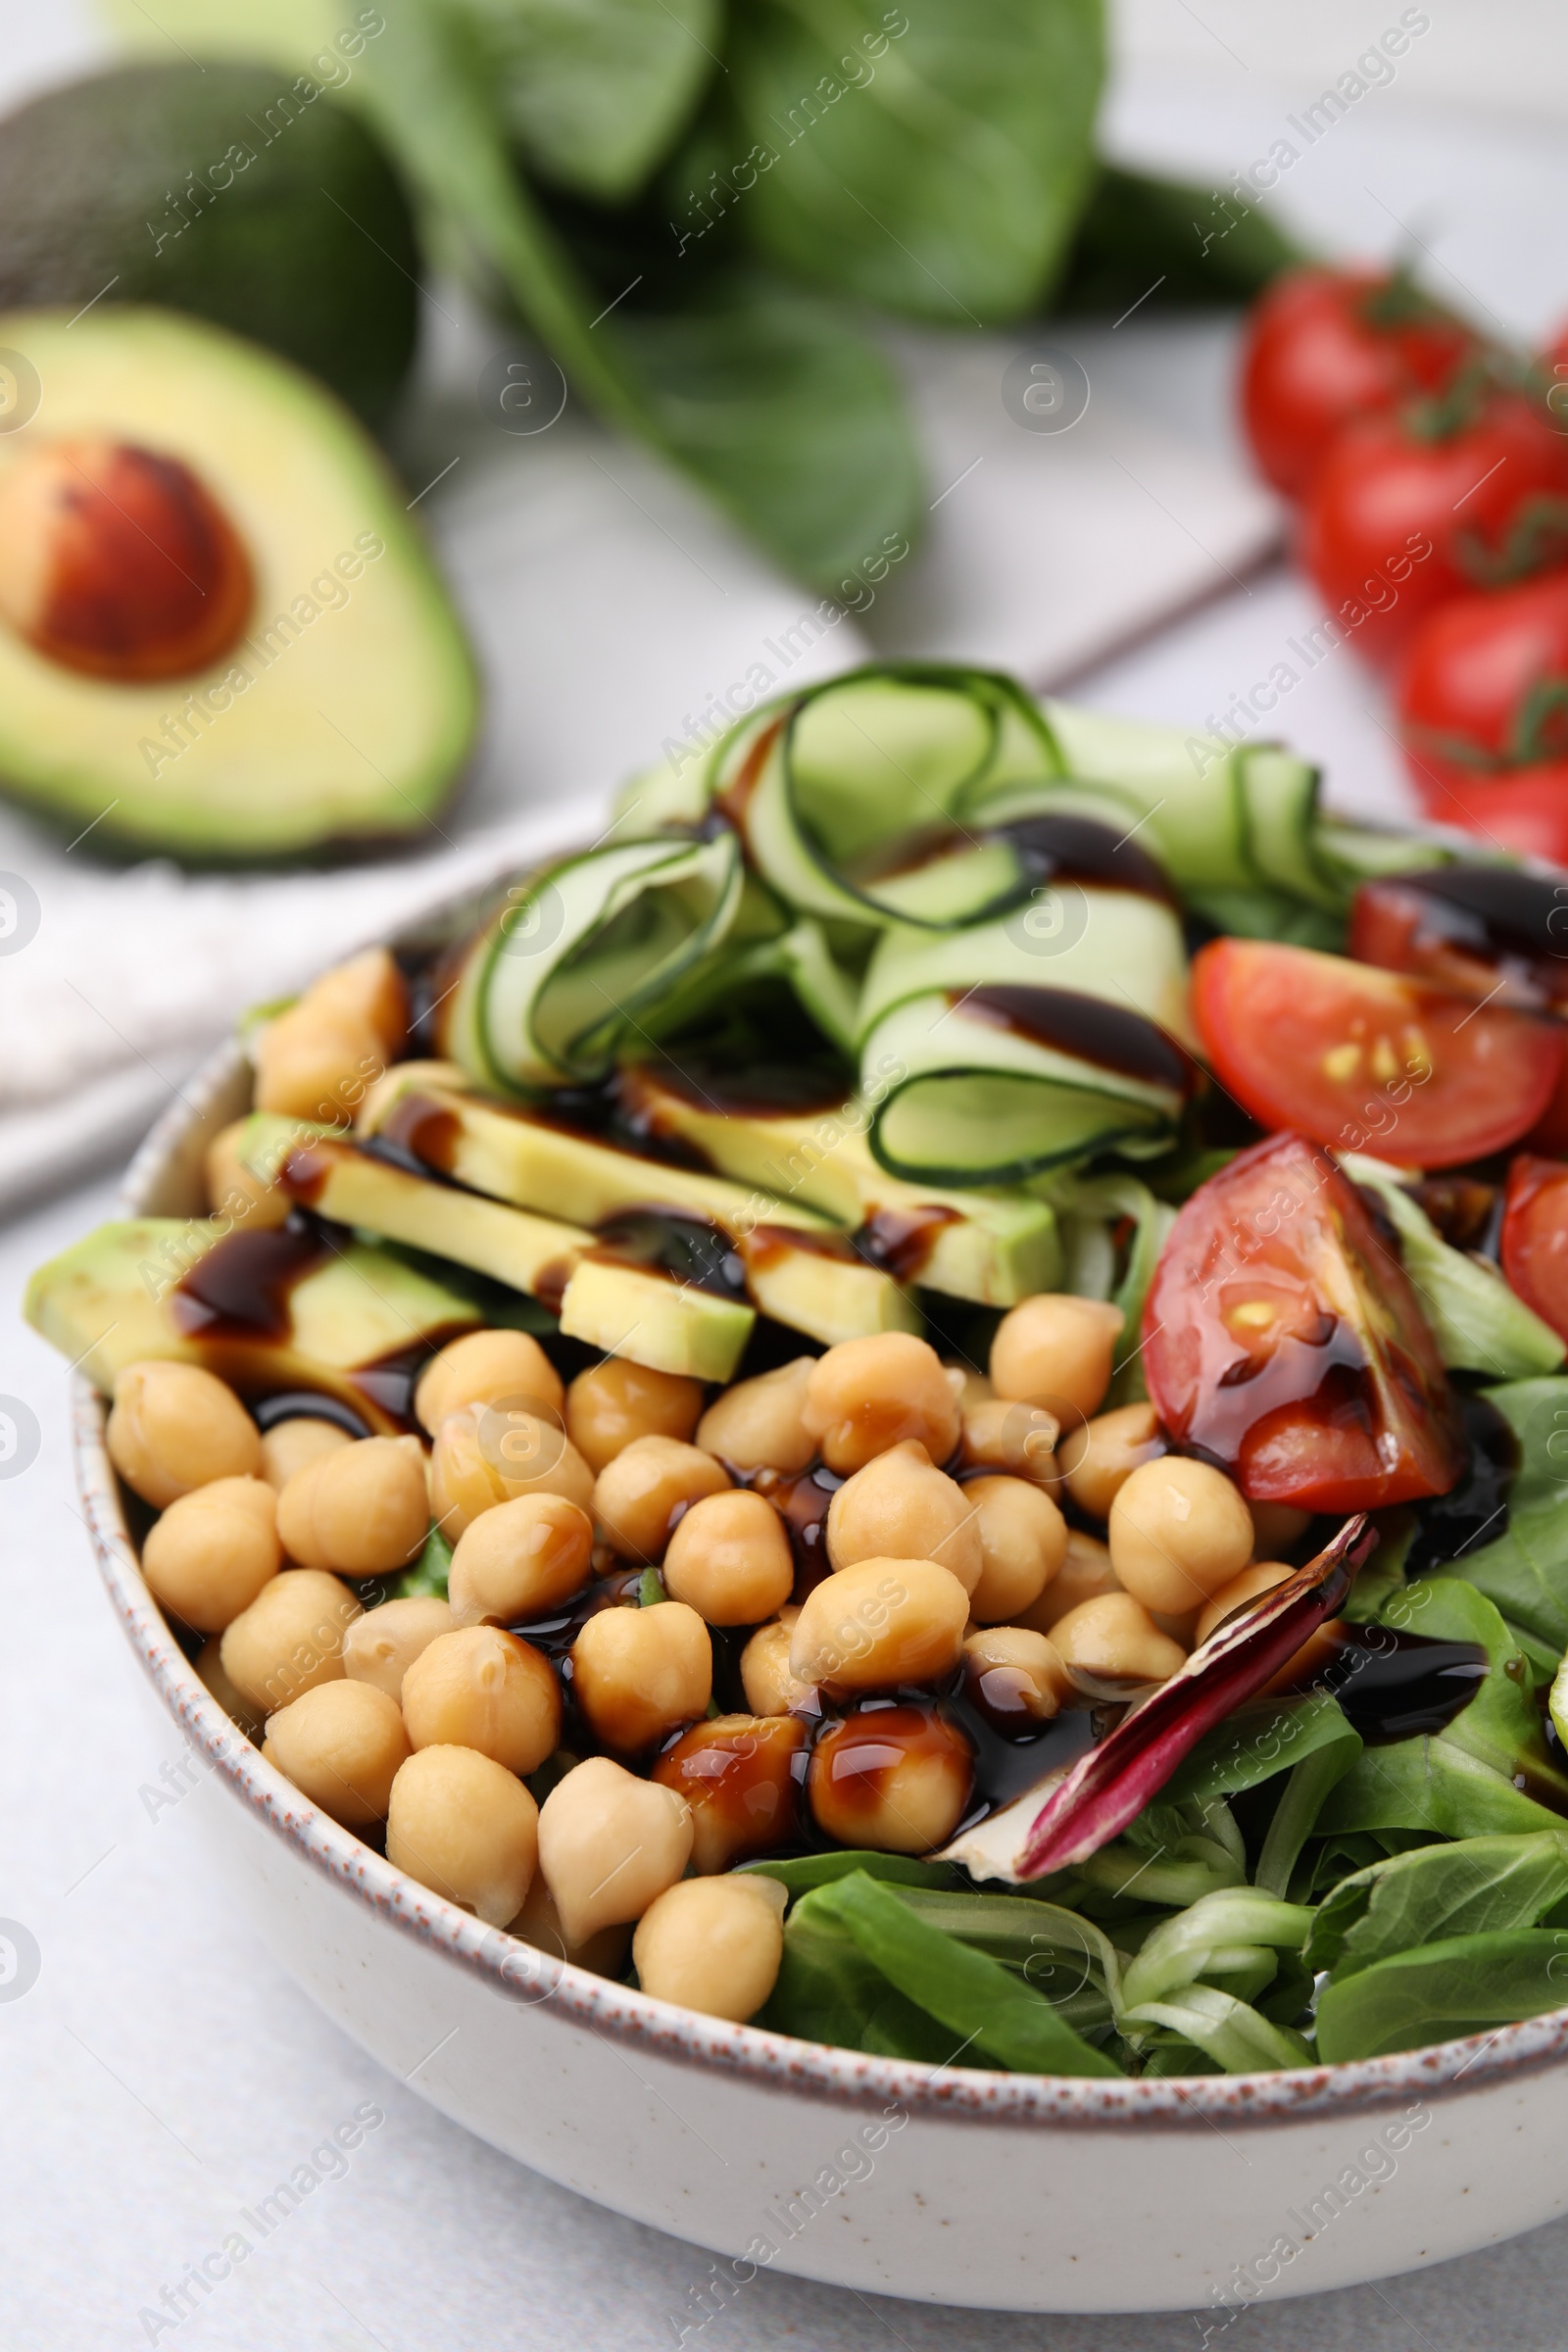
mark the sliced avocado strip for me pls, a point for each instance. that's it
(266, 1311)
(330, 695)
(992, 1248)
(797, 1266)
(627, 1311)
(233, 190)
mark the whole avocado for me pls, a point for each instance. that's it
(234, 191)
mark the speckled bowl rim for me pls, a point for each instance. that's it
(778, 2063)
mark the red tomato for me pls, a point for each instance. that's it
(1534, 1237)
(1484, 712)
(1325, 345)
(1369, 1060)
(1282, 1337)
(1405, 512)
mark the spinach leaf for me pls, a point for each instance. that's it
(799, 1872)
(1430, 1784)
(1460, 1985)
(1524, 1569)
(1239, 2038)
(790, 417)
(1474, 1887)
(1300, 1802)
(827, 1990)
(1184, 1948)
(1501, 1724)
(596, 91)
(1477, 1322)
(934, 162)
(1255, 1743)
(1137, 231)
(428, 1574)
(1001, 2018)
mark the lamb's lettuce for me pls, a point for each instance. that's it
(1479, 1323)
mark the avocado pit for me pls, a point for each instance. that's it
(118, 561)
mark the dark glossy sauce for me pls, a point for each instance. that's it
(423, 1133)
(241, 1289)
(1512, 923)
(305, 1171)
(1078, 849)
(295, 1404)
(1394, 1684)
(743, 1785)
(692, 1250)
(770, 1245)
(1460, 1207)
(390, 1380)
(1110, 1035)
(803, 1503)
(1012, 1755)
(762, 1090)
(901, 1240)
(858, 1757)
(1473, 1512)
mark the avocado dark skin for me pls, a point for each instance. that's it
(224, 190)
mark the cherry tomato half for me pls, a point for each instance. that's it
(1325, 345)
(1282, 1337)
(1534, 1237)
(1407, 511)
(1369, 1060)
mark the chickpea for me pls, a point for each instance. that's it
(895, 1780)
(613, 1402)
(1085, 1574)
(290, 1639)
(362, 1508)
(1100, 1455)
(639, 1496)
(381, 1647)
(738, 1775)
(639, 1673)
(1015, 1677)
(878, 1624)
(867, 1395)
(1277, 1528)
(315, 1060)
(485, 1455)
(765, 1678)
(970, 1386)
(758, 1424)
(1019, 1438)
(290, 1446)
(1057, 1351)
(609, 1842)
(341, 1745)
(730, 1560)
(902, 1507)
(466, 1828)
(518, 1560)
(712, 1945)
(257, 1203)
(1261, 1577)
(174, 1426)
(478, 1686)
(238, 1709)
(1111, 1647)
(213, 1552)
(487, 1367)
(539, 1923)
(1178, 1531)
(1024, 1543)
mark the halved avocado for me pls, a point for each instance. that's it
(266, 1311)
(221, 634)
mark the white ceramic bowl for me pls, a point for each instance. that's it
(1008, 2192)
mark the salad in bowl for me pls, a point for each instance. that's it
(919, 1399)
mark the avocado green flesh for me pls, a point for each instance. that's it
(798, 1268)
(105, 1302)
(997, 1249)
(237, 192)
(347, 709)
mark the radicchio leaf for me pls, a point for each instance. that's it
(1110, 1785)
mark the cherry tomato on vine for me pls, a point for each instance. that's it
(1370, 1060)
(1484, 716)
(1325, 345)
(1408, 511)
(1282, 1337)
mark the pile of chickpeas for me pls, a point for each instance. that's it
(947, 1561)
